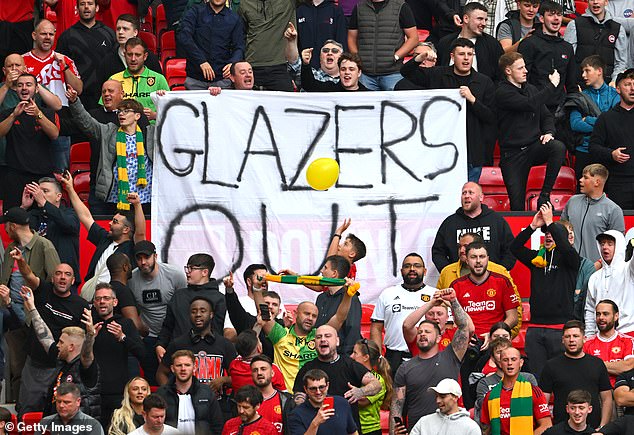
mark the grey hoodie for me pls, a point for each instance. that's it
(441, 424)
(621, 47)
(614, 281)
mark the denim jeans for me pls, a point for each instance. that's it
(380, 83)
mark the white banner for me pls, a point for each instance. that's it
(229, 178)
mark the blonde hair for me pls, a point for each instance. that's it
(74, 331)
(122, 421)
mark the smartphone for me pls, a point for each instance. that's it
(329, 402)
(264, 312)
(398, 420)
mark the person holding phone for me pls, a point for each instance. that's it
(321, 414)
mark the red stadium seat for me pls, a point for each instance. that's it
(82, 185)
(30, 419)
(565, 184)
(558, 200)
(385, 421)
(526, 312)
(79, 158)
(581, 7)
(520, 341)
(422, 34)
(366, 313)
(168, 46)
(491, 181)
(149, 39)
(175, 73)
(161, 20)
(497, 202)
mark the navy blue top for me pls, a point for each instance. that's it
(206, 36)
(341, 423)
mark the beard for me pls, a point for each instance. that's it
(413, 281)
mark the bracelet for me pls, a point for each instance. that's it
(336, 235)
(65, 68)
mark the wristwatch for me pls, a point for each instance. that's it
(39, 115)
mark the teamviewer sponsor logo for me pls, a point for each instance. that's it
(474, 307)
(396, 308)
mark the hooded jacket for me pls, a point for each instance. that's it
(177, 320)
(489, 224)
(553, 286)
(542, 53)
(614, 281)
(603, 41)
(441, 424)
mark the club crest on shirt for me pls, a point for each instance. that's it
(311, 345)
(151, 81)
(491, 292)
(425, 298)
(616, 349)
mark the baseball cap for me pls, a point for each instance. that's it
(15, 215)
(605, 236)
(447, 386)
(144, 247)
(628, 73)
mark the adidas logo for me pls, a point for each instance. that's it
(397, 298)
(466, 295)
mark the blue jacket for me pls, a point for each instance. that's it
(605, 97)
(316, 24)
(206, 36)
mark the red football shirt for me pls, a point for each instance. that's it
(445, 341)
(540, 408)
(616, 348)
(487, 302)
(260, 426)
(240, 372)
(16, 11)
(271, 409)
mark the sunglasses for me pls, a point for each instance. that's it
(327, 50)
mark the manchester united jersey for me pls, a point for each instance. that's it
(487, 302)
(616, 348)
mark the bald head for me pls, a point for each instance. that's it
(306, 317)
(471, 199)
(111, 94)
(13, 67)
(43, 37)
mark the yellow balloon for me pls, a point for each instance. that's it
(322, 173)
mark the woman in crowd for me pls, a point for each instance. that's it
(368, 354)
(128, 417)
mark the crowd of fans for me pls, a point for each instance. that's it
(223, 363)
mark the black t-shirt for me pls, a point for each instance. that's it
(28, 147)
(58, 313)
(89, 377)
(562, 374)
(213, 354)
(405, 18)
(626, 379)
(124, 296)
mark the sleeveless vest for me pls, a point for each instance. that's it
(593, 38)
(380, 35)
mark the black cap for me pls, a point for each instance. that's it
(144, 247)
(625, 74)
(16, 215)
(605, 236)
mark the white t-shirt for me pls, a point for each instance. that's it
(393, 306)
(186, 415)
(167, 430)
(101, 263)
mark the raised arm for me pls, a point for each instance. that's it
(139, 217)
(84, 215)
(258, 298)
(460, 341)
(42, 332)
(51, 100)
(30, 278)
(413, 319)
(87, 356)
(340, 316)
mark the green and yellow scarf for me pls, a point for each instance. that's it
(123, 186)
(521, 408)
(540, 260)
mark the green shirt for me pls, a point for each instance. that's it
(291, 352)
(141, 86)
(370, 416)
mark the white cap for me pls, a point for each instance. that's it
(447, 386)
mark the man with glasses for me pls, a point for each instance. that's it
(125, 150)
(394, 305)
(314, 416)
(116, 338)
(342, 371)
(199, 283)
(327, 69)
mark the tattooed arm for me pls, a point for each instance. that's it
(460, 341)
(397, 405)
(87, 357)
(42, 332)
